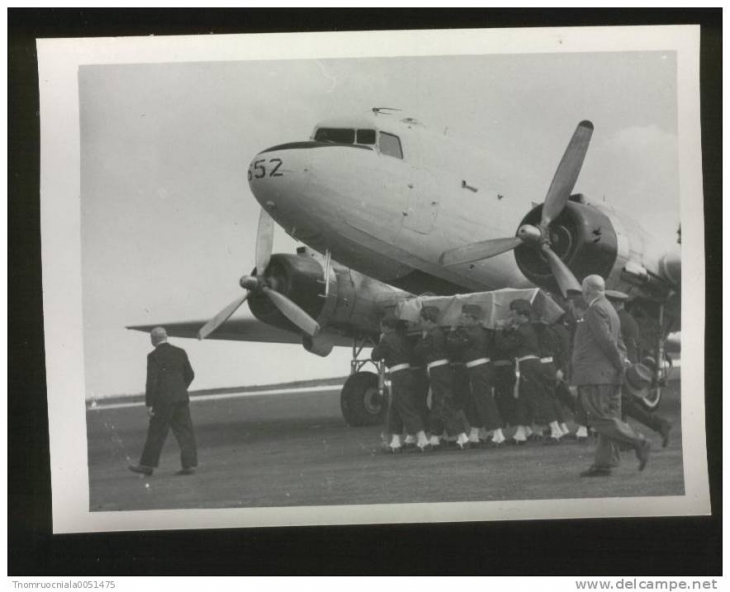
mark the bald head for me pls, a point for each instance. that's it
(158, 335)
(593, 285)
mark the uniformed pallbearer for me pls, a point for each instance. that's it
(395, 350)
(520, 340)
(432, 349)
(474, 343)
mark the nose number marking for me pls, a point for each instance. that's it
(262, 168)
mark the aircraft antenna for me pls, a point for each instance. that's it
(384, 110)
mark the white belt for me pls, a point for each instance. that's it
(478, 362)
(398, 367)
(437, 363)
(516, 390)
(548, 360)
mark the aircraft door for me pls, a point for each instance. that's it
(423, 202)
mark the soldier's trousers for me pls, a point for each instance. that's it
(402, 410)
(633, 409)
(481, 380)
(535, 402)
(420, 394)
(463, 400)
(551, 385)
(175, 416)
(602, 403)
(504, 382)
(444, 414)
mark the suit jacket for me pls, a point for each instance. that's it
(169, 375)
(598, 350)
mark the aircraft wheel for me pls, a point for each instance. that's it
(360, 401)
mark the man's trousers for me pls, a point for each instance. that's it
(175, 416)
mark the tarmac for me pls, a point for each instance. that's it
(294, 449)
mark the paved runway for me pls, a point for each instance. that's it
(294, 449)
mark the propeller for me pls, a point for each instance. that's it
(538, 236)
(259, 282)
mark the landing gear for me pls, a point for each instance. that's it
(364, 396)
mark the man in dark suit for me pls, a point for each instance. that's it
(169, 375)
(599, 359)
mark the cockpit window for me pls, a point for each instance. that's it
(365, 136)
(390, 145)
(336, 135)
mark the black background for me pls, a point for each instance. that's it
(657, 546)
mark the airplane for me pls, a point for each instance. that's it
(389, 209)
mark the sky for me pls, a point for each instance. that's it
(168, 223)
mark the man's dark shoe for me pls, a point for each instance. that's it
(642, 453)
(141, 469)
(596, 472)
(664, 432)
(186, 471)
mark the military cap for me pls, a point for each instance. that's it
(616, 295)
(430, 313)
(472, 309)
(521, 306)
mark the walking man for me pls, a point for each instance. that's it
(169, 375)
(599, 359)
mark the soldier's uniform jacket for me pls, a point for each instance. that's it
(470, 343)
(519, 341)
(433, 346)
(562, 360)
(630, 335)
(394, 349)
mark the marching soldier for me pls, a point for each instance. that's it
(520, 340)
(432, 349)
(395, 350)
(473, 343)
(630, 407)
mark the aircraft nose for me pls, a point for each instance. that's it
(278, 175)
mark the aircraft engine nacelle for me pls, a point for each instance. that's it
(582, 236)
(346, 300)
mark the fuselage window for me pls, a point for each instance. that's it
(338, 136)
(390, 145)
(365, 136)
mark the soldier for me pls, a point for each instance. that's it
(504, 383)
(473, 343)
(519, 339)
(630, 405)
(395, 350)
(552, 340)
(432, 349)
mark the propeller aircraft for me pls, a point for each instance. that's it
(389, 210)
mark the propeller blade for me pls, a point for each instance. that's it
(565, 278)
(478, 251)
(291, 311)
(567, 173)
(264, 241)
(221, 317)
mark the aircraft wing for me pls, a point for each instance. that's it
(236, 329)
